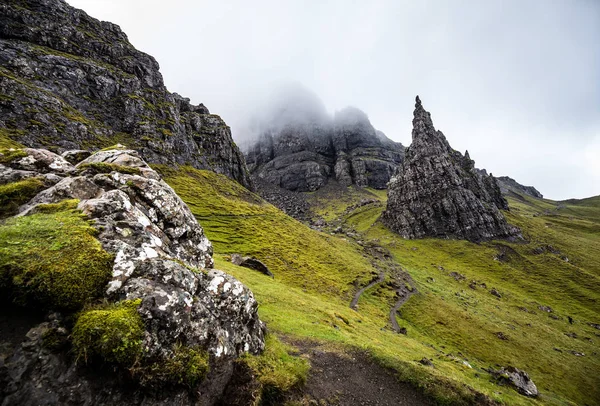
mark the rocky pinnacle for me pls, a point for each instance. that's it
(437, 192)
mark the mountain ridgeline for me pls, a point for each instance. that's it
(69, 81)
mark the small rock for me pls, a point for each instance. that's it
(427, 362)
(251, 263)
(577, 353)
(518, 379)
(75, 156)
(495, 293)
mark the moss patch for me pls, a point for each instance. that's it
(277, 370)
(13, 195)
(113, 334)
(188, 366)
(103, 167)
(9, 155)
(7, 137)
(52, 259)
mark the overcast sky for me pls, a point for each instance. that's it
(517, 83)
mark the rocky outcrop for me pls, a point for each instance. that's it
(520, 380)
(69, 81)
(162, 261)
(302, 154)
(438, 193)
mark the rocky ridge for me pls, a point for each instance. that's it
(437, 191)
(508, 185)
(162, 263)
(303, 154)
(69, 81)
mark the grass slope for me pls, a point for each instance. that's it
(456, 326)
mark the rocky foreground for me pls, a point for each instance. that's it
(437, 192)
(161, 278)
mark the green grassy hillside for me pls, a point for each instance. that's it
(462, 329)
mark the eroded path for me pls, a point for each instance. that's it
(354, 302)
(353, 379)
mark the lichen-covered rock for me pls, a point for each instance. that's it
(518, 379)
(69, 81)
(162, 258)
(303, 154)
(437, 191)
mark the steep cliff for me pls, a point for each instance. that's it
(301, 154)
(69, 81)
(437, 191)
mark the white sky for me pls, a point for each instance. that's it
(517, 83)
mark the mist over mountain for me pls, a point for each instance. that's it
(294, 144)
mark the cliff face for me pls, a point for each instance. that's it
(69, 81)
(437, 191)
(303, 155)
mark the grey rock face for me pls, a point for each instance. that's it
(438, 193)
(69, 81)
(162, 257)
(303, 155)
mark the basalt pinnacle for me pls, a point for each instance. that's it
(438, 193)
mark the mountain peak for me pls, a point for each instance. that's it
(437, 192)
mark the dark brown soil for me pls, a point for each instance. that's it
(353, 379)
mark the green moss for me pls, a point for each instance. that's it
(112, 334)
(12, 195)
(166, 133)
(103, 167)
(64, 205)
(52, 259)
(8, 136)
(187, 366)
(9, 155)
(277, 370)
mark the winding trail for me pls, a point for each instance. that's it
(404, 294)
(354, 302)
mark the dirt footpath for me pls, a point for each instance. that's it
(353, 379)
